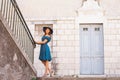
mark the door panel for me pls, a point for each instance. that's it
(85, 50)
(91, 49)
(85, 66)
(97, 66)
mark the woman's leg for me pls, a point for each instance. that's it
(44, 62)
(47, 67)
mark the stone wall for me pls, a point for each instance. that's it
(13, 65)
(66, 47)
(55, 8)
(112, 47)
(66, 54)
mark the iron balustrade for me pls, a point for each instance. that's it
(12, 14)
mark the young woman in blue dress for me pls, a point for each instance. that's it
(45, 55)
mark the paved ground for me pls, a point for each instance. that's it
(72, 78)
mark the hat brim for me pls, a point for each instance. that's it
(51, 31)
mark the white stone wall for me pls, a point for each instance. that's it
(66, 47)
(66, 41)
(112, 47)
(36, 9)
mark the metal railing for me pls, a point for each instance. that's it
(12, 14)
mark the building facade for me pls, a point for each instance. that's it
(86, 39)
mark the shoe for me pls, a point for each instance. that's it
(46, 75)
(51, 73)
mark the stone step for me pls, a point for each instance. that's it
(85, 78)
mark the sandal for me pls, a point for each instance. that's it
(51, 73)
(46, 75)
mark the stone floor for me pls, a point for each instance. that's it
(85, 78)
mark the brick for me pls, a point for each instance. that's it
(63, 49)
(110, 37)
(62, 55)
(70, 48)
(61, 66)
(71, 72)
(117, 71)
(110, 48)
(63, 37)
(69, 22)
(63, 26)
(71, 26)
(69, 43)
(60, 43)
(72, 37)
(60, 32)
(56, 49)
(118, 37)
(77, 60)
(71, 60)
(77, 72)
(77, 49)
(111, 25)
(60, 22)
(56, 37)
(118, 49)
(114, 31)
(112, 71)
(107, 43)
(77, 37)
(54, 32)
(77, 43)
(68, 32)
(115, 43)
(77, 32)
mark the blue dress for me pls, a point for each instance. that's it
(45, 54)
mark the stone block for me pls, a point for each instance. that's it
(109, 37)
(60, 32)
(110, 48)
(63, 49)
(72, 37)
(63, 37)
(68, 32)
(60, 22)
(77, 37)
(60, 43)
(71, 26)
(115, 43)
(69, 43)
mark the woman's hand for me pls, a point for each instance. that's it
(41, 42)
(36, 42)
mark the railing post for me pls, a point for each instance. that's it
(1, 4)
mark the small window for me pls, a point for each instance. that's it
(97, 29)
(85, 29)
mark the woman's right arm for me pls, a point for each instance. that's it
(41, 42)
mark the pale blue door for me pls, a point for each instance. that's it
(91, 49)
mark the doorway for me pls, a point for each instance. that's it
(91, 49)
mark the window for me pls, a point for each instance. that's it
(85, 29)
(97, 29)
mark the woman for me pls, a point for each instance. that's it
(45, 55)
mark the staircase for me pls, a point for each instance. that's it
(16, 44)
